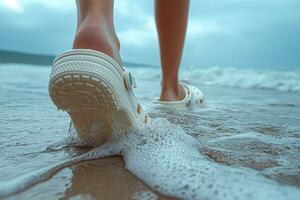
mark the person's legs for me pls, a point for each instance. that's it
(95, 27)
(171, 22)
(95, 30)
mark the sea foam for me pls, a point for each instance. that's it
(248, 78)
(171, 162)
(268, 79)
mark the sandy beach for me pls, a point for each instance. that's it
(251, 131)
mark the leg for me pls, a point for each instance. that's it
(95, 27)
(92, 88)
(171, 22)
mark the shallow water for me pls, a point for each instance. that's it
(244, 145)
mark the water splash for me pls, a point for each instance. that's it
(279, 80)
(26, 181)
(171, 162)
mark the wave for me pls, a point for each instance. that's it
(247, 78)
(170, 161)
(252, 78)
(279, 80)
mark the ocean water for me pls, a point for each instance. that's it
(244, 145)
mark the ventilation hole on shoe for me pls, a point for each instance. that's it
(201, 101)
(188, 103)
(146, 119)
(139, 108)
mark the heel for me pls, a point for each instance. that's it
(96, 92)
(87, 100)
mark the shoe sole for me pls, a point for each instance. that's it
(90, 87)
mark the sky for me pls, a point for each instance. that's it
(229, 33)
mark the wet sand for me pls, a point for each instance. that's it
(106, 178)
(257, 130)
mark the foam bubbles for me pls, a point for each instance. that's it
(170, 161)
(247, 78)
(269, 79)
(145, 195)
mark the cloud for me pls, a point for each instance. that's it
(249, 33)
(140, 36)
(13, 5)
(198, 27)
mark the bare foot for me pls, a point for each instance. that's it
(172, 92)
(91, 35)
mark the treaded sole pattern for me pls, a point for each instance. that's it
(88, 101)
(93, 89)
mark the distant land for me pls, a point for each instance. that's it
(27, 58)
(40, 59)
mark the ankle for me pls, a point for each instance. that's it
(100, 37)
(172, 91)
